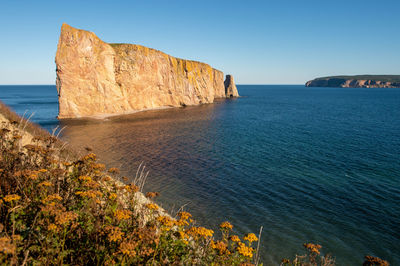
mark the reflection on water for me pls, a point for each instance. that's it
(175, 144)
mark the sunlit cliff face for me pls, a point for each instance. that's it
(95, 78)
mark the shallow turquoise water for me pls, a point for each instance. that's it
(308, 164)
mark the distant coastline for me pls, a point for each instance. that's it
(357, 81)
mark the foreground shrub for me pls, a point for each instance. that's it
(56, 211)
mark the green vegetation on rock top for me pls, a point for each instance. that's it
(384, 78)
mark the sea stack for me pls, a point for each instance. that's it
(95, 78)
(230, 87)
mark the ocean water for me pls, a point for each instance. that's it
(315, 165)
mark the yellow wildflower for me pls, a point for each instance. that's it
(226, 225)
(112, 196)
(6, 245)
(33, 176)
(89, 194)
(370, 260)
(184, 215)
(51, 198)
(166, 221)
(114, 234)
(245, 250)
(250, 237)
(98, 166)
(85, 178)
(235, 238)
(197, 232)
(220, 246)
(151, 195)
(131, 188)
(90, 156)
(182, 235)
(106, 178)
(16, 237)
(314, 248)
(52, 227)
(113, 170)
(64, 218)
(11, 197)
(128, 248)
(45, 184)
(152, 206)
(43, 170)
(122, 214)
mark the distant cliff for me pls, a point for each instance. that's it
(360, 81)
(95, 78)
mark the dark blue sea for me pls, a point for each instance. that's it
(315, 165)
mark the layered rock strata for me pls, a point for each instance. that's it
(352, 83)
(95, 78)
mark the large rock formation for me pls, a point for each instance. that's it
(95, 78)
(360, 81)
(230, 87)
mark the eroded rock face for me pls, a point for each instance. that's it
(95, 78)
(351, 83)
(230, 87)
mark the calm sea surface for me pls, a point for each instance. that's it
(308, 164)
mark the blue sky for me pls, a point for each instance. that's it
(259, 42)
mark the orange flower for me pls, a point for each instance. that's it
(184, 215)
(112, 196)
(51, 199)
(235, 238)
(33, 176)
(226, 225)
(152, 206)
(151, 195)
(89, 194)
(197, 232)
(52, 227)
(45, 184)
(131, 188)
(128, 248)
(245, 250)
(166, 221)
(220, 246)
(122, 214)
(370, 260)
(98, 166)
(11, 197)
(313, 248)
(250, 237)
(90, 156)
(85, 178)
(64, 218)
(114, 234)
(6, 245)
